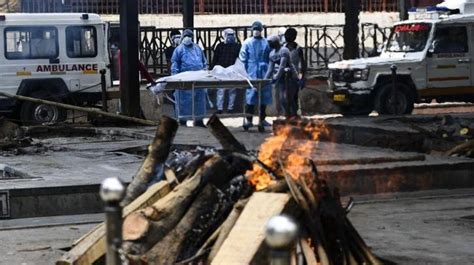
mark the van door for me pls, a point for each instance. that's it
(85, 55)
(449, 61)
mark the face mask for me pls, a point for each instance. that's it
(282, 39)
(187, 41)
(230, 39)
(257, 33)
(176, 40)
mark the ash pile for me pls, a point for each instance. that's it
(208, 206)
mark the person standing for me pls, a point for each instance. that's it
(189, 57)
(225, 55)
(298, 59)
(283, 73)
(254, 54)
(175, 37)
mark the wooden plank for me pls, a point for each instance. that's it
(91, 247)
(248, 233)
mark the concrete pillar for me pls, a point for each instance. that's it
(129, 41)
(188, 13)
(403, 9)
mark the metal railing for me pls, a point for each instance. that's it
(322, 44)
(203, 6)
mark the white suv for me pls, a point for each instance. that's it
(431, 57)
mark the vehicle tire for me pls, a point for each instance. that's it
(398, 102)
(354, 111)
(37, 113)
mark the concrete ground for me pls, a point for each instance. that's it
(434, 227)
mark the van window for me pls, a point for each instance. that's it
(450, 40)
(81, 41)
(31, 42)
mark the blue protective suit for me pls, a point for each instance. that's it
(189, 58)
(255, 56)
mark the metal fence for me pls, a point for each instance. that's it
(322, 44)
(203, 6)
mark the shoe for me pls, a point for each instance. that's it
(219, 112)
(182, 123)
(266, 123)
(230, 111)
(199, 123)
(247, 125)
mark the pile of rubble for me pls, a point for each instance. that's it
(213, 206)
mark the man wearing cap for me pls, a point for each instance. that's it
(225, 55)
(189, 57)
(254, 54)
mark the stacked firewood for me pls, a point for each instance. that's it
(190, 224)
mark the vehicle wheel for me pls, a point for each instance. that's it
(37, 113)
(354, 111)
(398, 102)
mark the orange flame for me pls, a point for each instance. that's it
(292, 153)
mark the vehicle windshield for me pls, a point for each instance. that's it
(409, 37)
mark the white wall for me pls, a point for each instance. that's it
(169, 21)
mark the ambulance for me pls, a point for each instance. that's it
(55, 57)
(429, 56)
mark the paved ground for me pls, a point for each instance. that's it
(430, 230)
(409, 228)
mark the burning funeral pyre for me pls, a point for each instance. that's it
(211, 208)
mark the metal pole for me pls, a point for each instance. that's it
(192, 104)
(261, 128)
(103, 84)
(188, 14)
(112, 192)
(129, 40)
(280, 235)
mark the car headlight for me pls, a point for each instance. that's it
(361, 74)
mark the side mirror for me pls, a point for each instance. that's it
(432, 47)
(54, 60)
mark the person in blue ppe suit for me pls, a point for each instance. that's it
(254, 54)
(189, 57)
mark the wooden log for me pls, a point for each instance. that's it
(145, 228)
(166, 251)
(248, 233)
(226, 228)
(462, 148)
(223, 135)
(157, 153)
(308, 252)
(91, 246)
(82, 109)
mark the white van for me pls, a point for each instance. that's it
(433, 54)
(51, 56)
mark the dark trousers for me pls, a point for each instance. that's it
(288, 88)
(250, 109)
